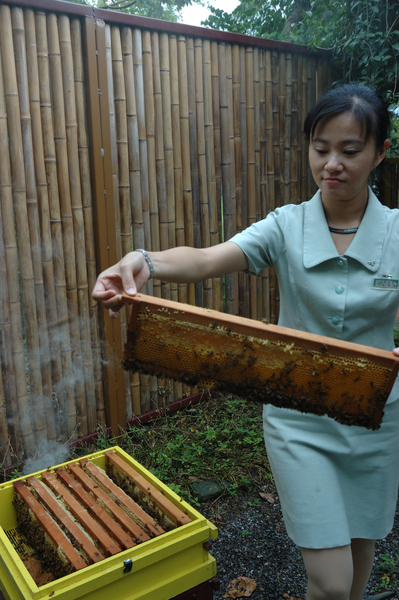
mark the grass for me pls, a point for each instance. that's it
(388, 571)
(396, 336)
(220, 439)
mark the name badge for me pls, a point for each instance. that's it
(385, 283)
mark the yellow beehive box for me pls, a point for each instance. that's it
(157, 569)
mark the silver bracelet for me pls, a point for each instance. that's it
(148, 259)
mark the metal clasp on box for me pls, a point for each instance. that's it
(127, 565)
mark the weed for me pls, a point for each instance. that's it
(220, 438)
(388, 569)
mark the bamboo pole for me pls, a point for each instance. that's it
(231, 220)
(63, 393)
(250, 110)
(127, 168)
(199, 152)
(121, 141)
(9, 417)
(67, 219)
(216, 130)
(98, 414)
(177, 150)
(194, 158)
(148, 89)
(287, 129)
(21, 222)
(185, 150)
(243, 289)
(122, 215)
(35, 233)
(304, 161)
(44, 219)
(114, 149)
(263, 192)
(245, 279)
(295, 145)
(260, 301)
(168, 144)
(177, 169)
(156, 174)
(141, 122)
(226, 168)
(262, 134)
(145, 193)
(88, 418)
(5, 459)
(134, 177)
(311, 100)
(163, 234)
(210, 165)
(12, 355)
(269, 118)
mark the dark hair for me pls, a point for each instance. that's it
(367, 107)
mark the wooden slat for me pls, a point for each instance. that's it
(119, 495)
(80, 513)
(104, 499)
(62, 516)
(160, 500)
(49, 526)
(100, 514)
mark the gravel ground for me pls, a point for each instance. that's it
(253, 543)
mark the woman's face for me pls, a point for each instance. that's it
(340, 159)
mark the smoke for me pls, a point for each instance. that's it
(53, 455)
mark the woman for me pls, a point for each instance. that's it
(337, 484)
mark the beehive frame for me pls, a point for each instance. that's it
(162, 567)
(267, 363)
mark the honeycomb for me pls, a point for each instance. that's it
(261, 362)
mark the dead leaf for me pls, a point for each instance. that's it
(288, 597)
(240, 588)
(208, 417)
(269, 497)
(152, 441)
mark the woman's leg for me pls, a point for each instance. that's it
(362, 558)
(339, 573)
(330, 573)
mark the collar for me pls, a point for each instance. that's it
(366, 246)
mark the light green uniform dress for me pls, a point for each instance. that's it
(335, 482)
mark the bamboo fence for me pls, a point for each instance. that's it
(116, 133)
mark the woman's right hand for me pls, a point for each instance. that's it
(128, 275)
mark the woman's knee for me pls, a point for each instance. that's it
(330, 573)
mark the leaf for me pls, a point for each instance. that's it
(288, 597)
(269, 497)
(242, 587)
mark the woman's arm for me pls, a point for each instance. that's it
(177, 265)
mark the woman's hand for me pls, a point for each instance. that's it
(128, 275)
(396, 352)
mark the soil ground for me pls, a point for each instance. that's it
(253, 543)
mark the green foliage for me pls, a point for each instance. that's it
(251, 17)
(167, 10)
(388, 570)
(363, 36)
(219, 439)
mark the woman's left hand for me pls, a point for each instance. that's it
(396, 352)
